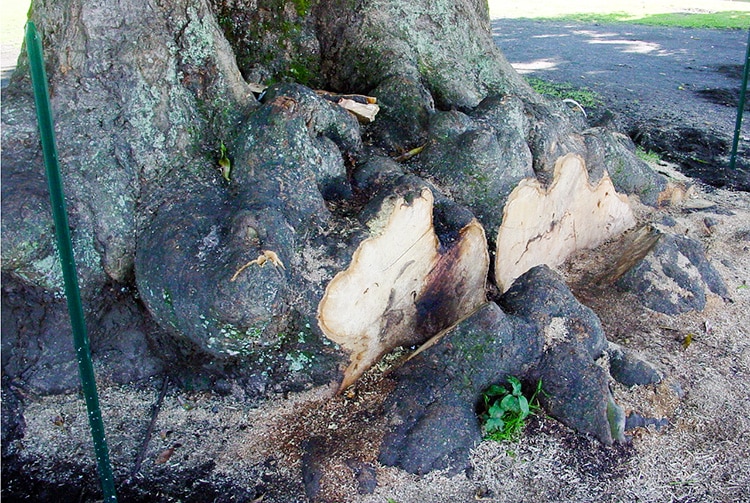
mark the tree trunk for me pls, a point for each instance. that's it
(228, 215)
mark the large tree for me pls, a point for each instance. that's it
(256, 227)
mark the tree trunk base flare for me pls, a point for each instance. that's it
(281, 245)
(541, 333)
(674, 277)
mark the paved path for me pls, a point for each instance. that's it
(639, 8)
(12, 20)
(646, 73)
(8, 58)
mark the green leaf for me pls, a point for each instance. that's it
(516, 385)
(505, 411)
(495, 391)
(510, 403)
(224, 163)
(523, 405)
(494, 424)
(538, 389)
(496, 411)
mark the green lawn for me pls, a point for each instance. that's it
(716, 20)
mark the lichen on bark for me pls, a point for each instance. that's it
(145, 93)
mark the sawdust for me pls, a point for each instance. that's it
(701, 455)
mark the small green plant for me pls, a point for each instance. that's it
(299, 72)
(647, 155)
(224, 163)
(302, 7)
(504, 411)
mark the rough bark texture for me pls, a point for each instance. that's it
(541, 333)
(138, 94)
(674, 277)
(188, 266)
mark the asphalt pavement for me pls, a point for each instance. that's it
(662, 75)
(8, 57)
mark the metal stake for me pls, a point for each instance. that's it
(740, 107)
(65, 247)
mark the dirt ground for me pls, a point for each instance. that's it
(702, 453)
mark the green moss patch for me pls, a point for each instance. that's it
(563, 90)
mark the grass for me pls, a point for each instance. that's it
(715, 20)
(563, 90)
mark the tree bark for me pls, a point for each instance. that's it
(227, 215)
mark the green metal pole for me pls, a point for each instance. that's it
(740, 107)
(65, 247)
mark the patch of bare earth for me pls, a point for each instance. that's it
(703, 454)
